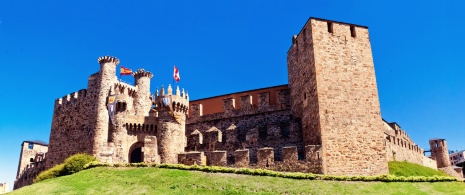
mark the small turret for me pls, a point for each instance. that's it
(142, 100)
(439, 152)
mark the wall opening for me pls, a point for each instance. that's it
(352, 31)
(137, 155)
(330, 27)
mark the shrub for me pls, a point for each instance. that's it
(76, 163)
(50, 173)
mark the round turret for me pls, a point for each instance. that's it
(439, 152)
(99, 92)
(142, 100)
(171, 134)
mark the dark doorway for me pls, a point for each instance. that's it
(137, 156)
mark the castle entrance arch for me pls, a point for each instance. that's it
(136, 155)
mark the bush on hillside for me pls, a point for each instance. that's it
(73, 164)
(50, 173)
(76, 163)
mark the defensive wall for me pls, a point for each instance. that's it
(250, 123)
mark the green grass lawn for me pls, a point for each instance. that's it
(409, 169)
(105, 180)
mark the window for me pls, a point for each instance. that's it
(31, 146)
(31, 160)
(330, 27)
(352, 31)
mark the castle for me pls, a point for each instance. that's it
(325, 120)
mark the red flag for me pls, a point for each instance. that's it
(125, 71)
(176, 74)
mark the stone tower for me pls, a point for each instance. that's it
(439, 152)
(334, 92)
(171, 134)
(104, 85)
(142, 101)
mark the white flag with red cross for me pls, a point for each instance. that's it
(176, 74)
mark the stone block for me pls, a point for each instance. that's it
(313, 153)
(191, 158)
(196, 110)
(290, 154)
(263, 100)
(265, 157)
(212, 137)
(216, 158)
(229, 104)
(246, 102)
(242, 158)
(194, 141)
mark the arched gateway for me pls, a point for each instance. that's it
(136, 155)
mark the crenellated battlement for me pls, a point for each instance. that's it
(266, 100)
(72, 99)
(177, 102)
(142, 73)
(108, 59)
(125, 88)
(265, 158)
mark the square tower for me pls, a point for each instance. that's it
(333, 90)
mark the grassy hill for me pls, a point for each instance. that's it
(409, 169)
(105, 180)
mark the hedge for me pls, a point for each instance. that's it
(292, 175)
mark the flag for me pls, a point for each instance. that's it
(176, 74)
(111, 108)
(125, 71)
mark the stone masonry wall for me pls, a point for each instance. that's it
(345, 94)
(399, 146)
(439, 152)
(249, 127)
(28, 175)
(303, 86)
(71, 131)
(428, 162)
(29, 151)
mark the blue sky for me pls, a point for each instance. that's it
(49, 48)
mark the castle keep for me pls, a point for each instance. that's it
(326, 120)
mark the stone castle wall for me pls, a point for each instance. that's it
(28, 175)
(30, 151)
(428, 162)
(399, 146)
(72, 130)
(251, 127)
(31, 163)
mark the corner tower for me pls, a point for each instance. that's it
(171, 134)
(334, 92)
(439, 152)
(142, 101)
